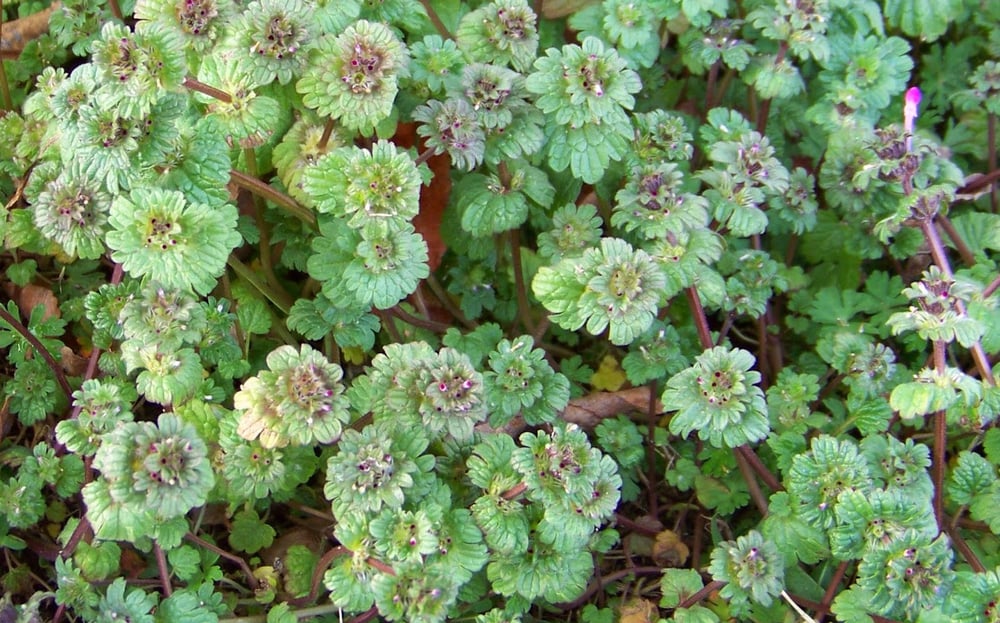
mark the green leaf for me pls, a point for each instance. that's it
(22, 273)
(926, 19)
(249, 533)
(676, 585)
(98, 560)
(281, 613)
(114, 520)
(971, 476)
(185, 562)
(253, 316)
(794, 537)
(694, 614)
(188, 606)
(176, 243)
(991, 445)
(300, 562)
(979, 230)
(723, 497)
(683, 474)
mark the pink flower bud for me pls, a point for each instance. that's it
(910, 105)
(910, 108)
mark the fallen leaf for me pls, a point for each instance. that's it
(72, 364)
(32, 296)
(588, 411)
(669, 550)
(609, 375)
(433, 198)
(639, 611)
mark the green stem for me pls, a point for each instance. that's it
(305, 613)
(523, 307)
(765, 107)
(436, 20)
(964, 549)
(264, 244)
(652, 472)
(281, 300)
(991, 137)
(713, 78)
(389, 325)
(242, 564)
(963, 249)
(327, 133)
(275, 196)
(424, 156)
(752, 486)
(605, 581)
(990, 289)
(8, 101)
(703, 593)
(330, 348)
(514, 491)
(318, 572)
(442, 296)
(759, 468)
(831, 588)
(36, 344)
(407, 317)
(81, 530)
(241, 339)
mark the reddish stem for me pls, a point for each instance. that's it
(210, 91)
(43, 352)
(831, 589)
(161, 565)
(700, 320)
(940, 439)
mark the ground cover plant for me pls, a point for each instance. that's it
(446, 310)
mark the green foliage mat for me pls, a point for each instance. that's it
(499, 311)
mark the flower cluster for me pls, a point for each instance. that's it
(377, 265)
(612, 286)
(817, 478)
(572, 489)
(585, 91)
(149, 473)
(104, 405)
(719, 397)
(520, 381)
(365, 187)
(142, 64)
(653, 203)
(72, 211)
(179, 244)
(502, 32)
(252, 472)
(353, 77)
(939, 312)
(377, 468)
(752, 568)
(746, 174)
(297, 400)
(272, 39)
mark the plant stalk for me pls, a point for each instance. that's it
(941, 259)
(42, 352)
(275, 196)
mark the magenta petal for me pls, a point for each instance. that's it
(913, 96)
